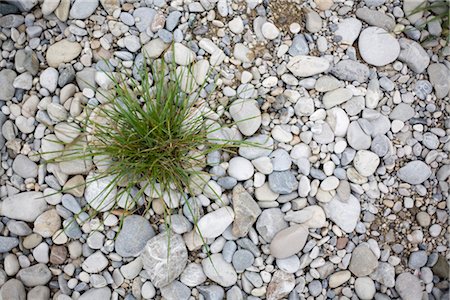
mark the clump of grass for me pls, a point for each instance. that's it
(150, 138)
(435, 11)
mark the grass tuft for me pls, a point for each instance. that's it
(149, 140)
(435, 11)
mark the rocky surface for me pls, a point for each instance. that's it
(345, 197)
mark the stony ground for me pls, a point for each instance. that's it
(348, 200)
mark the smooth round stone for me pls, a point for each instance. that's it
(24, 167)
(289, 264)
(348, 30)
(417, 259)
(236, 25)
(193, 275)
(283, 182)
(214, 223)
(423, 219)
(408, 286)
(366, 162)
(339, 278)
(330, 183)
(365, 288)
(226, 277)
(414, 172)
(315, 288)
(135, 233)
(306, 66)
(240, 168)
(242, 259)
(363, 261)
(257, 146)
(282, 245)
(378, 47)
(270, 31)
(246, 114)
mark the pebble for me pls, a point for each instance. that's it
(25, 206)
(282, 246)
(82, 9)
(270, 222)
(133, 236)
(282, 182)
(214, 223)
(365, 288)
(348, 30)
(61, 52)
(246, 115)
(413, 55)
(343, 214)
(240, 168)
(378, 47)
(227, 275)
(363, 261)
(270, 31)
(414, 172)
(351, 70)
(408, 287)
(7, 78)
(306, 66)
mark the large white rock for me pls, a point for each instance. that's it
(377, 46)
(214, 223)
(305, 66)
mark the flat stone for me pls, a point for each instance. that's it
(11, 21)
(283, 182)
(214, 223)
(311, 216)
(375, 18)
(413, 54)
(99, 193)
(246, 211)
(377, 47)
(348, 30)
(339, 278)
(363, 261)
(438, 75)
(96, 294)
(242, 259)
(155, 48)
(82, 9)
(193, 275)
(306, 66)
(8, 243)
(35, 275)
(270, 222)
(61, 52)
(408, 287)
(417, 259)
(212, 292)
(24, 167)
(257, 146)
(343, 214)
(366, 162)
(240, 168)
(357, 138)
(25, 206)
(365, 288)
(7, 78)
(414, 172)
(183, 55)
(95, 263)
(13, 289)
(299, 46)
(162, 262)
(226, 277)
(351, 70)
(336, 97)
(247, 115)
(281, 245)
(402, 112)
(133, 236)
